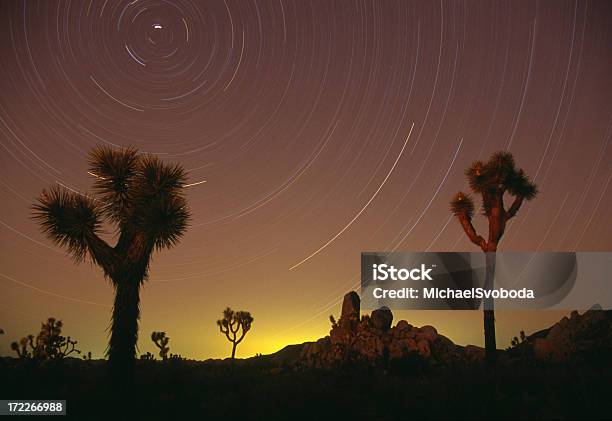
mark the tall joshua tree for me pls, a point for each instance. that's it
(492, 180)
(233, 322)
(143, 198)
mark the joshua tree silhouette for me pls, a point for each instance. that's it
(21, 347)
(161, 341)
(49, 344)
(492, 180)
(231, 323)
(143, 198)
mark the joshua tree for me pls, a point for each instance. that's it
(147, 357)
(176, 357)
(161, 341)
(515, 341)
(231, 323)
(492, 180)
(49, 344)
(21, 347)
(143, 198)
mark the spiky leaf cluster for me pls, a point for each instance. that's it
(69, 219)
(161, 341)
(519, 184)
(245, 319)
(164, 219)
(233, 321)
(138, 193)
(462, 205)
(499, 174)
(114, 171)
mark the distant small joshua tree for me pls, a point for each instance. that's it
(161, 341)
(515, 341)
(49, 344)
(147, 357)
(25, 348)
(176, 357)
(232, 323)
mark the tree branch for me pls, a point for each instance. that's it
(514, 208)
(101, 253)
(241, 336)
(72, 220)
(225, 330)
(466, 223)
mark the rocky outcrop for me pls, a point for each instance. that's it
(350, 311)
(372, 340)
(381, 319)
(573, 336)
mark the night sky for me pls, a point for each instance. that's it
(321, 129)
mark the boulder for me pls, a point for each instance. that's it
(342, 333)
(424, 348)
(402, 327)
(350, 311)
(411, 345)
(396, 350)
(368, 346)
(381, 319)
(400, 348)
(427, 332)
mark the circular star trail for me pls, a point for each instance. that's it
(311, 131)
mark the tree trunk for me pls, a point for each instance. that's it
(234, 350)
(489, 310)
(124, 330)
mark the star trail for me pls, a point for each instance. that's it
(311, 131)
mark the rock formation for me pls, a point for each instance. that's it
(372, 340)
(573, 337)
